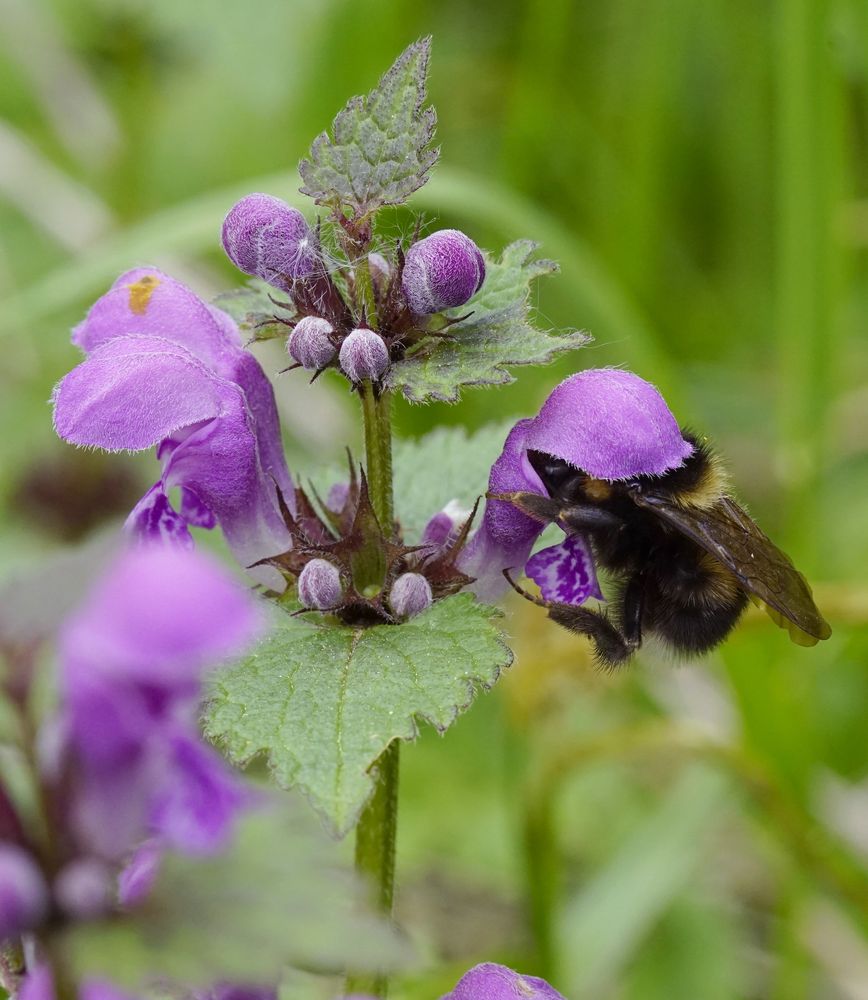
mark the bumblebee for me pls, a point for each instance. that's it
(684, 556)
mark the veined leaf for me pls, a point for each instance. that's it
(379, 152)
(321, 702)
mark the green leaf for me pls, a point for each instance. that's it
(498, 333)
(277, 897)
(254, 309)
(380, 151)
(447, 464)
(322, 702)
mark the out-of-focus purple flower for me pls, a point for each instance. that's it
(410, 595)
(39, 985)
(264, 236)
(442, 271)
(609, 423)
(310, 343)
(165, 369)
(319, 585)
(23, 893)
(237, 991)
(364, 355)
(139, 874)
(131, 666)
(490, 981)
(85, 888)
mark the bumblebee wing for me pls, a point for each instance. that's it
(729, 534)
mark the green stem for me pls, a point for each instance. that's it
(377, 829)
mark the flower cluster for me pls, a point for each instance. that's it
(323, 559)
(266, 238)
(607, 422)
(121, 767)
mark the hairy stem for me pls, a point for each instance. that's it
(376, 832)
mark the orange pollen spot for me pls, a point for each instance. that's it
(597, 489)
(141, 292)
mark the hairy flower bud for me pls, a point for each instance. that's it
(364, 355)
(381, 271)
(442, 271)
(410, 594)
(319, 585)
(85, 888)
(262, 235)
(310, 343)
(23, 895)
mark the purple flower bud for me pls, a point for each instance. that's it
(410, 594)
(496, 982)
(319, 585)
(364, 355)
(442, 271)
(23, 894)
(310, 343)
(85, 889)
(262, 235)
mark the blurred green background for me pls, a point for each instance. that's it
(699, 170)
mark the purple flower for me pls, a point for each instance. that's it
(410, 595)
(496, 982)
(132, 660)
(364, 355)
(442, 271)
(609, 423)
(23, 893)
(165, 369)
(264, 236)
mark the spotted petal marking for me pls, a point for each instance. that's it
(565, 573)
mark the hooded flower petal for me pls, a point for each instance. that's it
(611, 424)
(506, 535)
(565, 573)
(489, 981)
(147, 302)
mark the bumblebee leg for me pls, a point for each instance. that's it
(587, 517)
(633, 609)
(610, 647)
